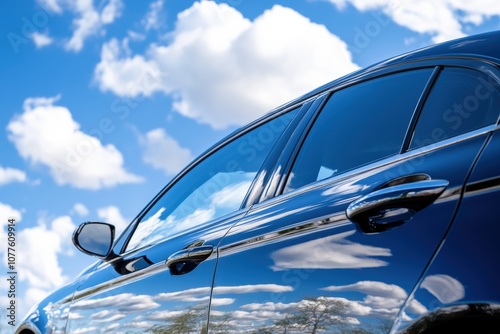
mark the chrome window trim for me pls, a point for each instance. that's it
(472, 62)
(383, 162)
(120, 243)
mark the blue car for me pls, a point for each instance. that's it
(365, 206)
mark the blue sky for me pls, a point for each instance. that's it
(105, 101)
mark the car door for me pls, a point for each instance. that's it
(361, 201)
(460, 286)
(161, 278)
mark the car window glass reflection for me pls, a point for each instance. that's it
(461, 100)
(213, 188)
(358, 125)
(96, 238)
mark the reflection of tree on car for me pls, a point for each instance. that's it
(184, 322)
(311, 315)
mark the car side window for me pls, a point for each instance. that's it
(460, 101)
(358, 125)
(215, 186)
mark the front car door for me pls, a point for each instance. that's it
(161, 280)
(296, 264)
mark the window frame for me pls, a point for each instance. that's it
(486, 66)
(120, 246)
(429, 89)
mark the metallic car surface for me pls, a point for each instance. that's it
(408, 243)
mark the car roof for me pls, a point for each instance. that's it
(485, 46)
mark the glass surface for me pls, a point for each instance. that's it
(461, 100)
(214, 187)
(96, 238)
(358, 125)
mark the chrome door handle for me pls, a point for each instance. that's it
(185, 260)
(390, 207)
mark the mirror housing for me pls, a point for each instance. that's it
(95, 238)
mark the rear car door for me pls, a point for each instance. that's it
(460, 286)
(161, 280)
(357, 206)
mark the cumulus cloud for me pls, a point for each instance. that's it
(51, 5)
(38, 263)
(46, 134)
(153, 18)
(124, 303)
(164, 152)
(88, 21)
(442, 19)
(252, 288)
(329, 253)
(112, 215)
(80, 209)
(202, 293)
(41, 40)
(444, 287)
(8, 175)
(124, 74)
(374, 288)
(223, 69)
(381, 299)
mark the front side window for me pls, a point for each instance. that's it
(460, 101)
(358, 125)
(214, 187)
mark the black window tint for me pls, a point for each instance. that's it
(460, 101)
(358, 125)
(214, 187)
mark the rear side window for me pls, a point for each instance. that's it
(460, 101)
(358, 125)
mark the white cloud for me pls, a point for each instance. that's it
(51, 5)
(164, 152)
(88, 21)
(47, 134)
(221, 301)
(252, 288)
(153, 19)
(189, 295)
(8, 175)
(38, 263)
(41, 40)
(111, 11)
(112, 215)
(135, 36)
(443, 19)
(224, 69)
(80, 209)
(444, 287)
(126, 75)
(124, 302)
(329, 253)
(374, 288)
(415, 306)
(202, 293)
(382, 300)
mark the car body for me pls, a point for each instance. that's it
(365, 206)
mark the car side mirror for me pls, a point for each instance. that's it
(94, 238)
